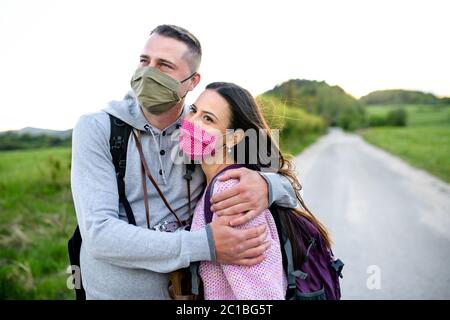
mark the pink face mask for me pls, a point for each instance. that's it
(196, 142)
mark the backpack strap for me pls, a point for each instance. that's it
(118, 142)
(210, 189)
(287, 255)
(152, 180)
(290, 264)
(195, 280)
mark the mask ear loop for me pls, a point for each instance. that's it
(185, 81)
(230, 149)
(224, 146)
(189, 77)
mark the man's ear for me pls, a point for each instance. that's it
(195, 81)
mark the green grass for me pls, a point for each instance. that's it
(424, 142)
(36, 220)
(417, 115)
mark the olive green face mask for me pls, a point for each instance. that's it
(156, 91)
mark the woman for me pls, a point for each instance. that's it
(204, 137)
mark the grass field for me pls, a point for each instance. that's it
(418, 115)
(36, 219)
(424, 142)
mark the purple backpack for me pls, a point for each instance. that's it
(317, 276)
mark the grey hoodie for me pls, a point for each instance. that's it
(123, 261)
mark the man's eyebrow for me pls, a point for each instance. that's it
(166, 61)
(144, 56)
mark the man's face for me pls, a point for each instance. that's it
(169, 56)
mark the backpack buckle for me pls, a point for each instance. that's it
(123, 163)
(117, 142)
(300, 274)
(188, 175)
(338, 265)
(119, 122)
(190, 168)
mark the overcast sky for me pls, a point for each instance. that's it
(61, 59)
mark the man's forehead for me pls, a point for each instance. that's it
(160, 47)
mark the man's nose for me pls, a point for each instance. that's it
(152, 64)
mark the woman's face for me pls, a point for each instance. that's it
(210, 112)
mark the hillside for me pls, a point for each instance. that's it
(336, 106)
(399, 97)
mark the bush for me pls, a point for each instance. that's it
(298, 128)
(396, 117)
(377, 120)
(350, 119)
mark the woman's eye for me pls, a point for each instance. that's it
(192, 109)
(208, 118)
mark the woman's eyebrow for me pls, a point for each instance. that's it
(207, 112)
(210, 113)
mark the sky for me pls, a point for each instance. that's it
(61, 59)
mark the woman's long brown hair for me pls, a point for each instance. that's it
(245, 115)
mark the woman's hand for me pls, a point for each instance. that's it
(245, 200)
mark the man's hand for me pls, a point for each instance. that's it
(245, 200)
(239, 246)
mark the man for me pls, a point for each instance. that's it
(122, 261)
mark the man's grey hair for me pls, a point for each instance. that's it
(194, 54)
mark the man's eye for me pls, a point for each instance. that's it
(166, 66)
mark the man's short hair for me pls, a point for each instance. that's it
(194, 56)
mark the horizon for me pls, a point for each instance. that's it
(357, 98)
(54, 68)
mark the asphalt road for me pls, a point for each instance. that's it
(390, 222)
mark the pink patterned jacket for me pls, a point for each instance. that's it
(264, 281)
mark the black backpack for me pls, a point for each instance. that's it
(118, 141)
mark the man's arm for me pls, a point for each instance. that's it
(105, 236)
(254, 193)
(280, 190)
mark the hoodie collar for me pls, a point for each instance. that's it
(129, 111)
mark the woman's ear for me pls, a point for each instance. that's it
(238, 135)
